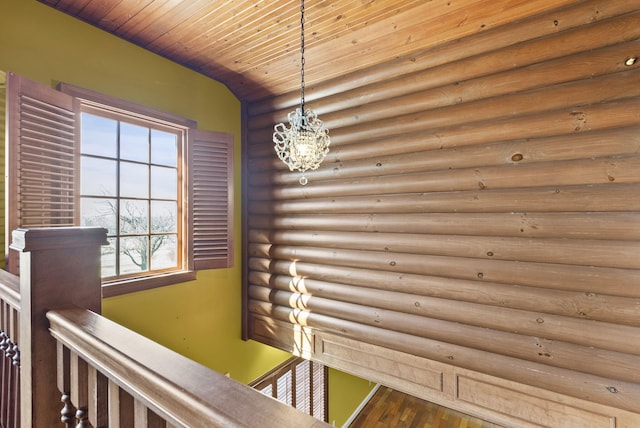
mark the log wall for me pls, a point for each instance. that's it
(477, 218)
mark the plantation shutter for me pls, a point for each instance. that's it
(211, 199)
(42, 158)
(298, 383)
(302, 372)
(267, 390)
(284, 388)
(318, 391)
(43, 172)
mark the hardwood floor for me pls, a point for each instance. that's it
(393, 409)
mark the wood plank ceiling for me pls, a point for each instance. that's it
(253, 46)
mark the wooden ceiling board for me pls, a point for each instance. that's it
(73, 8)
(253, 46)
(231, 36)
(407, 31)
(152, 21)
(411, 34)
(329, 24)
(96, 11)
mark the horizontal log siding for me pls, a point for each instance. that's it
(480, 205)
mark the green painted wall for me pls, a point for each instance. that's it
(3, 94)
(346, 392)
(200, 319)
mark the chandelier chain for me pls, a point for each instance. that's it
(303, 144)
(302, 61)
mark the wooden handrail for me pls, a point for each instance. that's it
(77, 368)
(10, 289)
(178, 390)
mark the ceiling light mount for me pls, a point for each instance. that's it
(305, 143)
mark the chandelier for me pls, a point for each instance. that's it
(305, 143)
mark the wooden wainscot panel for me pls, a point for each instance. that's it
(525, 406)
(504, 402)
(289, 337)
(411, 374)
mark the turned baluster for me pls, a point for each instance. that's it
(98, 398)
(82, 415)
(9, 381)
(4, 387)
(15, 360)
(79, 389)
(67, 414)
(14, 393)
(3, 341)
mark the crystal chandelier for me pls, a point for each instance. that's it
(305, 143)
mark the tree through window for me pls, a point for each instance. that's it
(131, 183)
(162, 188)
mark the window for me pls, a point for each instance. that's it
(299, 383)
(161, 188)
(130, 184)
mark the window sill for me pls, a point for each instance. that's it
(132, 285)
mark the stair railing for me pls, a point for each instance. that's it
(83, 370)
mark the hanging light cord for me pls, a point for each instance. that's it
(305, 143)
(302, 56)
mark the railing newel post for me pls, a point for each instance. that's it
(59, 268)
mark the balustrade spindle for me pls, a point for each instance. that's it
(9, 410)
(5, 386)
(79, 389)
(67, 414)
(82, 415)
(102, 373)
(98, 398)
(16, 355)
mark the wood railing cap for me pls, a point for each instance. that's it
(49, 238)
(178, 389)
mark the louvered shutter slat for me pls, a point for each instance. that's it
(284, 386)
(211, 170)
(318, 389)
(299, 383)
(303, 386)
(43, 166)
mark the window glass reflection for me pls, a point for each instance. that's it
(99, 135)
(134, 142)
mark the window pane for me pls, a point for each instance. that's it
(164, 148)
(134, 180)
(164, 216)
(98, 177)
(99, 212)
(164, 183)
(98, 135)
(134, 254)
(134, 217)
(134, 142)
(164, 251)
(109, 258)
(131, 184)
